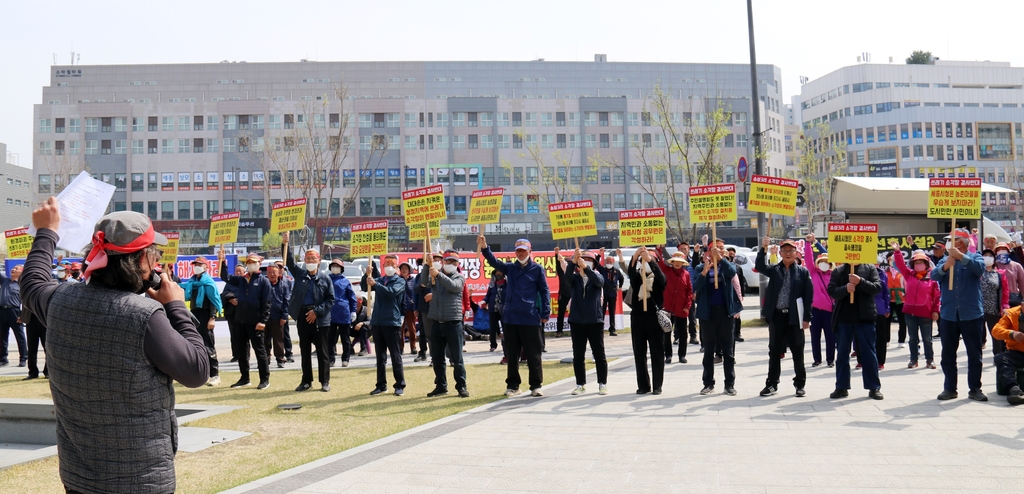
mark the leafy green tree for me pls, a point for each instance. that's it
(821, 156)
(920, 57)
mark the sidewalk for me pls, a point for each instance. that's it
(683, 442)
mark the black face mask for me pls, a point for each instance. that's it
(153, 282)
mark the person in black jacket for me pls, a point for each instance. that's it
(310, 305)
(855, 320)
(613, 279)
(585, 319)
(252, 313)
(788, 283)
(564, 297)
(648, 282)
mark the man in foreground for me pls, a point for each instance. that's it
(113, 355)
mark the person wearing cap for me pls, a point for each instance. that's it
(342, 313)
(613, 285)
(787, 308)
(678, 299)
(989, 242)
(1014, 273)
(280, 297)
(409, 307)
(204, 299)
(386, 320)
(75, 270)
(855, 320)
(310, 305)
(960, 314)
(564, 298)
(821, 306)
(921, 303)
(586, 320)
(897, 288)
(717, 306)
(447, 335)
(423, 296)
(286, 329)
(113, 355)
(527, 310)
(252, 313)
(494, 302)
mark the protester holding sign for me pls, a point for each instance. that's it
(854, 287)
(586, 320)
(717, 305)
(648, 291)
(821, 307)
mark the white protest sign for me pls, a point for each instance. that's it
(82, 203)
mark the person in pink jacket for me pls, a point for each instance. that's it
(821, 306)
(921, 305)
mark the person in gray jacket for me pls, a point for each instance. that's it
(586, 319)
(386, 320)
(446, 313)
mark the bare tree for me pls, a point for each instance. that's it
(821, 156)
(62, 168)
(551, 179)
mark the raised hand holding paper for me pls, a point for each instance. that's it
(82, 203)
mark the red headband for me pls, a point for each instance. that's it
(97, 257)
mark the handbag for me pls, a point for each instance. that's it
(665, 320)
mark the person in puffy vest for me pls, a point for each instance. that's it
(343, 313)
(113, 356)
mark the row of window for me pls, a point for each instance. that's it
(868, 86)
(18, 202)
(994, 140)
(170, 124)
(887, 107)
(19, 183)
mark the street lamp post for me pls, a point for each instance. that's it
(756, 111)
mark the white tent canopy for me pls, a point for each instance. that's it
(882, 195)
(991, 228)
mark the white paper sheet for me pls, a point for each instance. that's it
(82, 203)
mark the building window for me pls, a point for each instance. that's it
(45, 125)
(92, 147)
(167, 210)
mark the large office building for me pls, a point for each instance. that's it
(17, 192)
(184, 142)
(945, 119)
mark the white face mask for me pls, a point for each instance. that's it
(312, 267)
(823, 266)
(436, 265)
(949, 245)
(252, 268)
(390, 270)
(609, 265)
(199, 269)
(989, 261)
(588, 264)
(524, 262)
(336, 270)
(920, 268)
(450, 268)
(62, 274)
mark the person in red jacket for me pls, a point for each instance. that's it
(921, 305)
(678, 299)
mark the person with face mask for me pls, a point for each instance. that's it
(613, 285)
(789, 284)
(921, 304)
(447, 334)
(10, 316)
(494, 301)
(648, 282)
(409, 307)
(995, 296)
(423, 297)
(717, 306)
(527, 310)
(114, 402)
(386, 320)
(678, 299)
(821, 306)
(75, 270)
(1014, 273)
(252, 312)
(961, 315)
(585, 320)
(204, 299)
(343, 313)
(897, 292)
(280, 297)
(310, 306)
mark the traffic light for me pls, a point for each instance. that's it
(800, 201)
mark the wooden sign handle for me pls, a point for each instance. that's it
(952, 236)
(853, 267)
(714, 235)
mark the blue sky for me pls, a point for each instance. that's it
(803, 37)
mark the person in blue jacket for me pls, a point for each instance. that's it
(251, 314)
(527, 310)
(310, 306)
(386, 320)
(586, 319)
(343, 313)
(716, 308)
(204, 303)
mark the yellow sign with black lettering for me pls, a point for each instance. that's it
(224, 228)
(370, 238)
(286, 216)
(485, 206)
(713, 203)
(171, 249)
(19, 243)
(572, 219)
(850, 243)
(642, 227)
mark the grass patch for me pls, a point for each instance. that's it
(328, 423)
(754, 323)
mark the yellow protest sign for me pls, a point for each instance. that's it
(850, 243)
(954, 198)
(286, 216)
(171, 249)
(419, 231)
(572, 219)
(485, 206)
(370, 238)
(424, 204)
(224, 228)
(713, 203)
(642, 227)
(19, 242)
(772, 195)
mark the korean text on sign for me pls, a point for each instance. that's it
(713, 203)
(772, 195)
(171, 249)
(419, 231)
(954, 198)
(286, 216)
(19, 243)
(485, 206)
(572, 219)
(224, 228)
(852, 243)
(642, 227)
(370, 238)
(424, 204)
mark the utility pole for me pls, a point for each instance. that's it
(756, 110)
